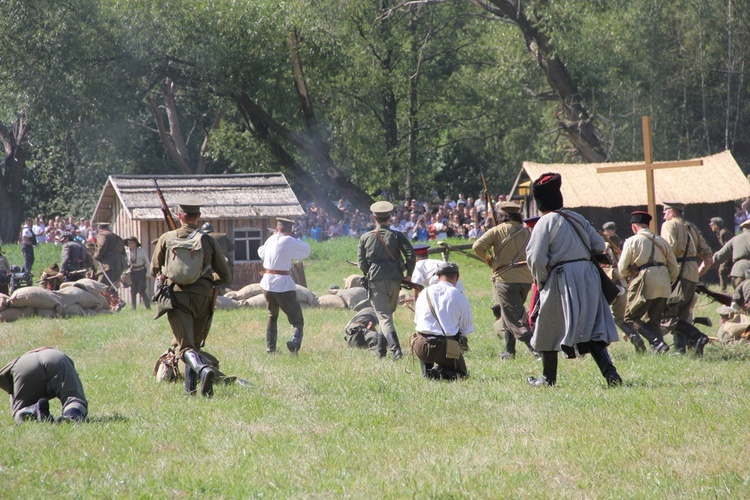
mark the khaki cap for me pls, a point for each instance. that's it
(189, 204)
(286, 223)
(381, 208)
(745, 224)
(675, 205)
(509, 207)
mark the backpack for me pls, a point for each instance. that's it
(184, 260)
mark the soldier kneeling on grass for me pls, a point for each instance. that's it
(362, 330)
(38, 376)
(442, 315)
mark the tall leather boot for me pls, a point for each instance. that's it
(395, 347)
(549, 370)
(296, 342)
(635, 339)
(601, 355)
(382, 346)
(657, 341)
(271, 335)
(693, 337)
(680, 343)
(191, 381)
(526, 339)
(510, 346)
(205, 372)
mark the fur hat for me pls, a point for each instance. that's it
(547, 193)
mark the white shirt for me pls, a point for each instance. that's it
(39, 232)
(277, 253)
(451, 306)
(424, 274)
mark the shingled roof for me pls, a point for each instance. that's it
(718, 180)
(236, 196)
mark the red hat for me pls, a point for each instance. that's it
(421, 250)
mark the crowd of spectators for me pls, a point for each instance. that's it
(741, 214)
(51, 230)
(419, 220)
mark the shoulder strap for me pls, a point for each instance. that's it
(578, 232)
(432, 310)
(380, 237)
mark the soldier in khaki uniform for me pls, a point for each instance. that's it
(649, 262)
(690, 248)
(502, 248)
(191, 305)
(383, 256)
(110, 255)
(722, 236)
(38, 376)
(738, 250)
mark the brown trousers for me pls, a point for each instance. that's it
(432, 350)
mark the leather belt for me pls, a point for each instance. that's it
(273, 271)
(653, 264)
(687, 259)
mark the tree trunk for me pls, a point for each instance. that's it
(574, 121)
(16, 150)
(262, 124)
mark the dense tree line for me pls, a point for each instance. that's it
(353, 98)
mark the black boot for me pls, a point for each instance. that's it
(392, 339)
(426, 367)
(71, 415)
(526, 339)
(191, 381)
(635, 339)
(680, 344)
(382, 346)
(271, 334)
(441, 373)
(700, 344)
(510, 346)
(549, 371)
(601, 355)
(658, 345)
(205, 372)
(296, 342)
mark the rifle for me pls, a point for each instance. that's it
(491, 214)
(721, 298)
(405, 283)
(447, 247)
(168, 217)
(616, 250)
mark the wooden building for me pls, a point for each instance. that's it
(242, 206)
(710, 190)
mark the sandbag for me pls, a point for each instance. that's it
(74, 295)
(91, 286)
(72, 310)
(4, 301)
(246, 292)
(35, 297)
(259, 301)
(352, 281)
(226, 303)
(14, 313)
(353, 296)
(47, 313)
(305, 296)
(331, 302)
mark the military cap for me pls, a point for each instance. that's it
(133, 239)
(421, 250)
(285, 223)
(745, 224)
(609, 225)
(189, 204)
(509, 207)
(381, 208)
(674, 205)
(102, 224)
(718, 221)
(640, 217)
(53, 269)
(447, 268)
(66, 235)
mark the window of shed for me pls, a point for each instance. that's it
(247, 240)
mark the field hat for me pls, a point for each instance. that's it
(381, 208)
(609, 225)
(674, 205)
(286, 224)
(189, 204)
(447, 268)
(509, 207)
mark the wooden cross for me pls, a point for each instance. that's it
(648, 166)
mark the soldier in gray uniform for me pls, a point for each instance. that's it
(738, 250)
(38, 376)
(362, 331)
(383, 256)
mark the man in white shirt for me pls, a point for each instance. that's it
(40, 230)
(278, 252)
(442, 315)
(28, 241)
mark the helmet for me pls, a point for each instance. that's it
(207, 228)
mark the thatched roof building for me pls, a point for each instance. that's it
(710, 190)
(241, 206)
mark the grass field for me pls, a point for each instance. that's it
(335, 422)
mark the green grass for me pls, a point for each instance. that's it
(335, 422)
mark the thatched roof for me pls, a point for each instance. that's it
(237, 196)
(718, 180)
